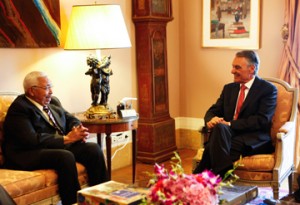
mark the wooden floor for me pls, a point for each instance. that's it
(124, 175)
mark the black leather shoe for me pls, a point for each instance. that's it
(297, 196)
(270, 201)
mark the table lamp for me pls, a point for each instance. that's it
(96, 27)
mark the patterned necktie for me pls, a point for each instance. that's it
(52, 120)
(240, 101)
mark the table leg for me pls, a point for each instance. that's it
(99, 140)
(108, 154)
(134, 148)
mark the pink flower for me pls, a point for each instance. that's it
(175, 187)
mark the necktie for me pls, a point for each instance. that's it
(52, 120)
(240, 101)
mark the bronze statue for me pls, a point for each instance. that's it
(100, 73)
(105, 88)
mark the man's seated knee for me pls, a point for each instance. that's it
(219, 128)
(67, 157)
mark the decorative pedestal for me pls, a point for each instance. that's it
(156, 139)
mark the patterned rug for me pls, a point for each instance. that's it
(267, 193)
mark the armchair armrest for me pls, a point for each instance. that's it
(203, 129)
(285, 129)
(285, 145)
(205, 133)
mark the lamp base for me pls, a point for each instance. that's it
(100, 112)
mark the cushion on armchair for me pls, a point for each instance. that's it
(256, 167)
(5, 102)
(259, 162)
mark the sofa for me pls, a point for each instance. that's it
(37, 187)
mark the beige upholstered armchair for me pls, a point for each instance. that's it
(273, 169)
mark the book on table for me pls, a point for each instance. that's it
(112, 193)
(238, 195)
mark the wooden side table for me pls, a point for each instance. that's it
(109, 126)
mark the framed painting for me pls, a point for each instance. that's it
(29, 24)
(231, 24)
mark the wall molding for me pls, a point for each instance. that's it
(188, 123)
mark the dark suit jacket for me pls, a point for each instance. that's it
(27, 130)
(255, 118)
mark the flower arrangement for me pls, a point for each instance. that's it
(177, 188)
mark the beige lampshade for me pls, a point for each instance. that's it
(99, 26)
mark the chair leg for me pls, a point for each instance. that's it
(275, 188)
(290, 182)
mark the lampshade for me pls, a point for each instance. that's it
(99, 26)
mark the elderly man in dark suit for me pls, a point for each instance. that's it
(239, 130)
(33, 139)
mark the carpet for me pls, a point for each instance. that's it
(266, 193)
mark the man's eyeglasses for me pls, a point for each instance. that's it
(48, 87)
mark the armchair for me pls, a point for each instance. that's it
(273, 169)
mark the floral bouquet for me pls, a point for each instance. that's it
(177, 188)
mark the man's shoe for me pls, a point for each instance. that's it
(270, 201)
(297, 196)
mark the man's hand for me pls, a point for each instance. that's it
(76, 134)
(216, 120)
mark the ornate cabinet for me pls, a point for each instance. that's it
(156, 135)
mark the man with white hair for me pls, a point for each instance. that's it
(40, 134)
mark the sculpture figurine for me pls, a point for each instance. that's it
(105, 88)
(100, 72)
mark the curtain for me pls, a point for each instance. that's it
(289, 69)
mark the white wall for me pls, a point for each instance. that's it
(191, 68)
(204, 71)
(67, 68)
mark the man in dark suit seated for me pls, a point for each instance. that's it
(239, 127)
(35, 139)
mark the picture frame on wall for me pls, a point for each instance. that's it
(231, 24)
(30, 24)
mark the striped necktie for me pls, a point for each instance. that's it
(52, 120)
